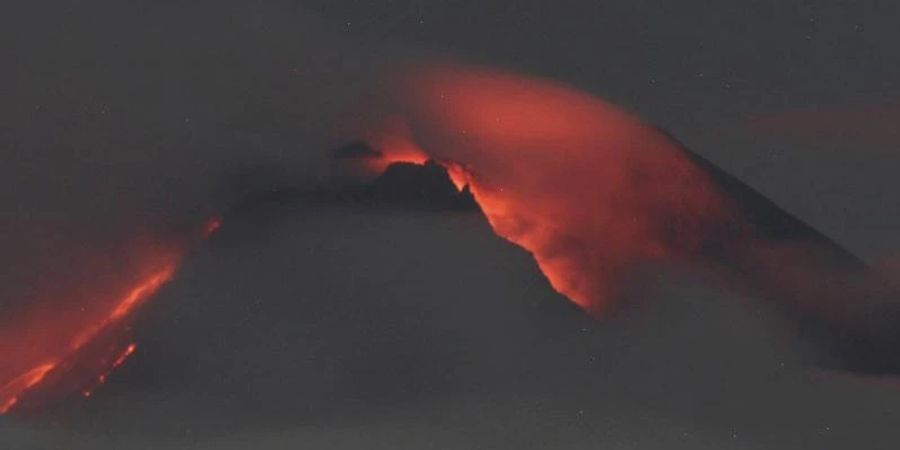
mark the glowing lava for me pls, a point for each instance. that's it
(12, 391)
(63, 352)
(588, 189)
(140, 293)
(117, 362)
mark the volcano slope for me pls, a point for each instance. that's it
(594, 193)
(363, 318)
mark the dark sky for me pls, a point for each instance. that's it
(112, 112)
(704, 70)
(127, 89)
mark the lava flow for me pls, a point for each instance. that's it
(82, 345)
(62, 353)
(589, 190)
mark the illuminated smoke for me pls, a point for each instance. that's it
(589, 190)
(593, 194)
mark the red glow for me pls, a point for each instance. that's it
(13, 390)
(10, 392)
(212, 225)
(394, 139)
(589, 190)
(145, 288)
(70, 351)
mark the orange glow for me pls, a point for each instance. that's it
(10, 392)
(588, 189)
(126, 304)
(394, 139)
(13, 390)
(68, 351)
(121, 358)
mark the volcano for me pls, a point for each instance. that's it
(592, 194)
(337, 305)
(833, 299)
(346, 304)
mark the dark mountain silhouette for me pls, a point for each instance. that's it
(768, 220)
(338, 304)
(862, 339)
(405, 185)
(867, 338)
(425, 185)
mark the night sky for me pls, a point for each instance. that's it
(352, 325)
(796, 98)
